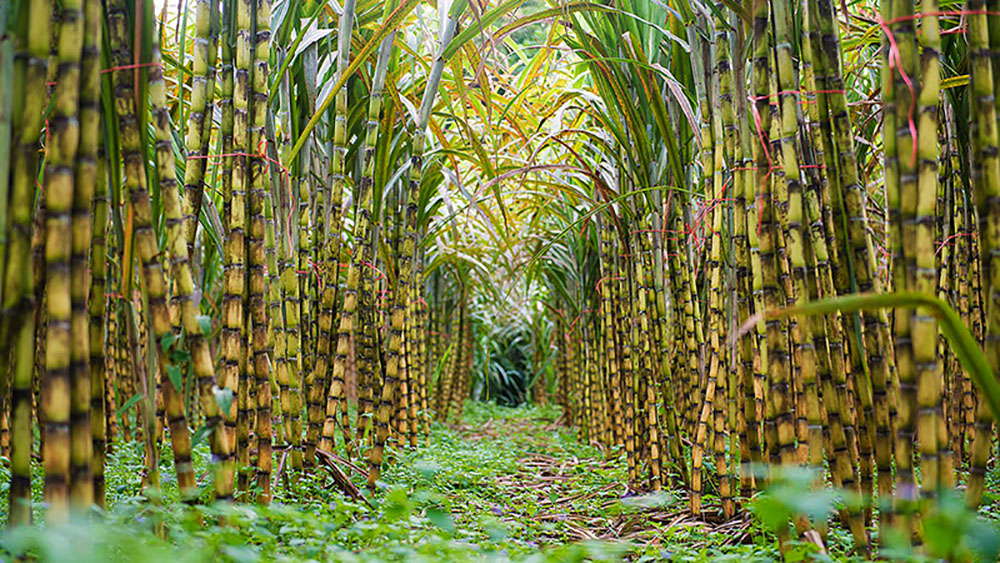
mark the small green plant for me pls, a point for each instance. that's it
(950, 530)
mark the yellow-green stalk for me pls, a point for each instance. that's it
(82, 493)
(987, 191)
(258, 280)
(17, 322)
(336, 398)
(59, 186)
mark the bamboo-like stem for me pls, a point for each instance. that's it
(359, 274)
(17, 321)
(102, 410)
(645, 328)
(901, 196)
(715, 385)
(336, 398)
(235, 254)
(60, 359)
(986, 189)
(82, 492)
(257, 259)
(924, 327)
(834, 383)
(857, 246)
(796, 241)
(202, 91)
(408, 247)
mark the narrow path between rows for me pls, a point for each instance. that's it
(519, 478)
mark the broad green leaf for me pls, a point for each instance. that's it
(441, 519)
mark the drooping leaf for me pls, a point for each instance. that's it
(955, 331)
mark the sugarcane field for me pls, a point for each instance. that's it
(499, 280)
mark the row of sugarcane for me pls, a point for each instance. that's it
(171, 264)
(668, 343)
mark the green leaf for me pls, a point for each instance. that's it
(391, 23)
(223, 397)
(205, 322)
(178, 355)
(441, 519)
(772, 512)
(175, 375)
(495, 530)
(472, 31)
(397, 504)
(167, 341)
(427, 469)
(129, 404)
(537, 17)
(659, 499)
(984, 540)
(199, 435)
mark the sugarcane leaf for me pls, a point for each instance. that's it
(199, 435)
(278, 13)
(390, 24)
(443, 362)
(179, 355)
(732, 5)
(312, 36)
(962, 342)
(223, 397)
(310, 70)
(205, 322)
(129, 404)
(175, 375)
(955, 81)
(550, 13)
(276, 78)
(168, 340)
(487, 19)
(682, 100)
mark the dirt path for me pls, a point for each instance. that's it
(557, 491)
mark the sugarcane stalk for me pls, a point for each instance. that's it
(336, 398)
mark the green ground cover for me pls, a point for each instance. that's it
(507, 484)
